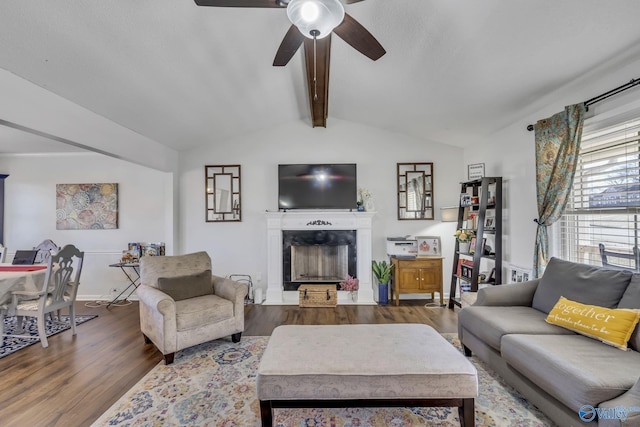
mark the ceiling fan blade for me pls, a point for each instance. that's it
(318, 89)
(289, 46)
(359, 38)
(352, 1)
(241, 3)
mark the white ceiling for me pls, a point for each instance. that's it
(184, 75)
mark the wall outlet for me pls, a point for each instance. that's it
(258, 277)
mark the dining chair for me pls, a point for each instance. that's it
(612, 260)
(44, 251)
(59, 291)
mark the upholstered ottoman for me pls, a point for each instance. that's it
(329, 366)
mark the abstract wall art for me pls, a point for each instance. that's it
(86, 206)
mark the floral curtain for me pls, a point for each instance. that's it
(557, 147)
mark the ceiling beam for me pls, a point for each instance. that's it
(318, 93)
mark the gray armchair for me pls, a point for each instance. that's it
(182, 304)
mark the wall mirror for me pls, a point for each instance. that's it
(415, 191)
(222, 184)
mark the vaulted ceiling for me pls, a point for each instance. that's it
(185, 76)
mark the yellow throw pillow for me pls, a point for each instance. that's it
(612, 326)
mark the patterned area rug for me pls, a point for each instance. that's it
(12, 344)
(213, 384)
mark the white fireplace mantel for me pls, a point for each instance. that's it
(318, 220)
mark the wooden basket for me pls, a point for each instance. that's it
(318, 296)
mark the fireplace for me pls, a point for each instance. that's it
(307, 247)
(317, 256)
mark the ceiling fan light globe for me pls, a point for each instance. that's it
(309, 11)
(320, 16)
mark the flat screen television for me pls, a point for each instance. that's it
(317, 186)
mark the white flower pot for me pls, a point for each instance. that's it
(463, 247)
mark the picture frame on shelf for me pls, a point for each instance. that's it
(519, 274)
(466, 271)
(492, 276)
(475, 171)
(465, 199)
(429, 246)
(472, 246)
(463, 263)
(490, 221)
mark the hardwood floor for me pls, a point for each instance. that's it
(76, 379)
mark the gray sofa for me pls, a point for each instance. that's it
(556, 369)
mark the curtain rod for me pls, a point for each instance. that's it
(602, 97)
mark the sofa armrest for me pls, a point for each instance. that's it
(156, 300)
(630, 401)
(231, 290)
(516, 294)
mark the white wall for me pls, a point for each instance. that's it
(30, 205)
(240, 248)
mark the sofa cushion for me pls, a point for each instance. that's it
(490, 324)
(612, 326)
(631, 299)
(574, 369)
(194, 312)
(188, 286)
(579, 282)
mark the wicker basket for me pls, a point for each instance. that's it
(318, 296)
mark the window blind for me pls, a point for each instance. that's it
(604, 206)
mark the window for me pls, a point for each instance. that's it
(604, 206)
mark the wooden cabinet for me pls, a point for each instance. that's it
(416, 276)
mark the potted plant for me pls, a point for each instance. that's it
(464, 239)
(382, 271)
(351, 285)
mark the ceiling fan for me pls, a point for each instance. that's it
(313, 21)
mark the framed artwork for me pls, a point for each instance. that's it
(86, 206)
(429, 246)
(475, 171)
(490, 221)
(472, 246)
(519, 274)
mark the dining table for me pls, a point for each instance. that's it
(20, 278)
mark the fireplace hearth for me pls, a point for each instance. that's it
(317, 256)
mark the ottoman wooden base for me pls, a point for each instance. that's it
(342, 366)
(465, 407)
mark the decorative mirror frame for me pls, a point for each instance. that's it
(420, 178)
(222, 193)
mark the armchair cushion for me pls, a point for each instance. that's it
(194, 312)
(189, 286)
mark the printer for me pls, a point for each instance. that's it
(402, 247)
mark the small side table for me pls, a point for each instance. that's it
(133, 275)
(417, 275)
